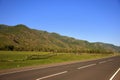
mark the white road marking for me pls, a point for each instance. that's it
(52, 75)
(102, 62)
(110, 60)
(86, 66)
(114, 74)
(105, 61)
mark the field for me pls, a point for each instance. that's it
(15, 59)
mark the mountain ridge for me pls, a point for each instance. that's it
(22, 38)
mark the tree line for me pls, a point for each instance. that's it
(55, 50)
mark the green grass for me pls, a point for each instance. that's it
(15, 59)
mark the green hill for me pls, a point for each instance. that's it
(22, 38)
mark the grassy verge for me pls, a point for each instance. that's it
(15, 59)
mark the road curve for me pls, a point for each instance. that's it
(101, 69)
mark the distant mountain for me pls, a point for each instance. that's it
(22, 38)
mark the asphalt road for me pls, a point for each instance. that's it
(101, 69)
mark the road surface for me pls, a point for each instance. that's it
(101, 69)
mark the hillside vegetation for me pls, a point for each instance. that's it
(22, 38)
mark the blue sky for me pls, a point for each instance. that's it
(91, 20)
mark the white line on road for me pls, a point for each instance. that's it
(52, 75)
(110, 60)
(114, 74)
(102, 62)
(86, 66)
(105, 61)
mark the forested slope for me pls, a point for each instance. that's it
(22, 38)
